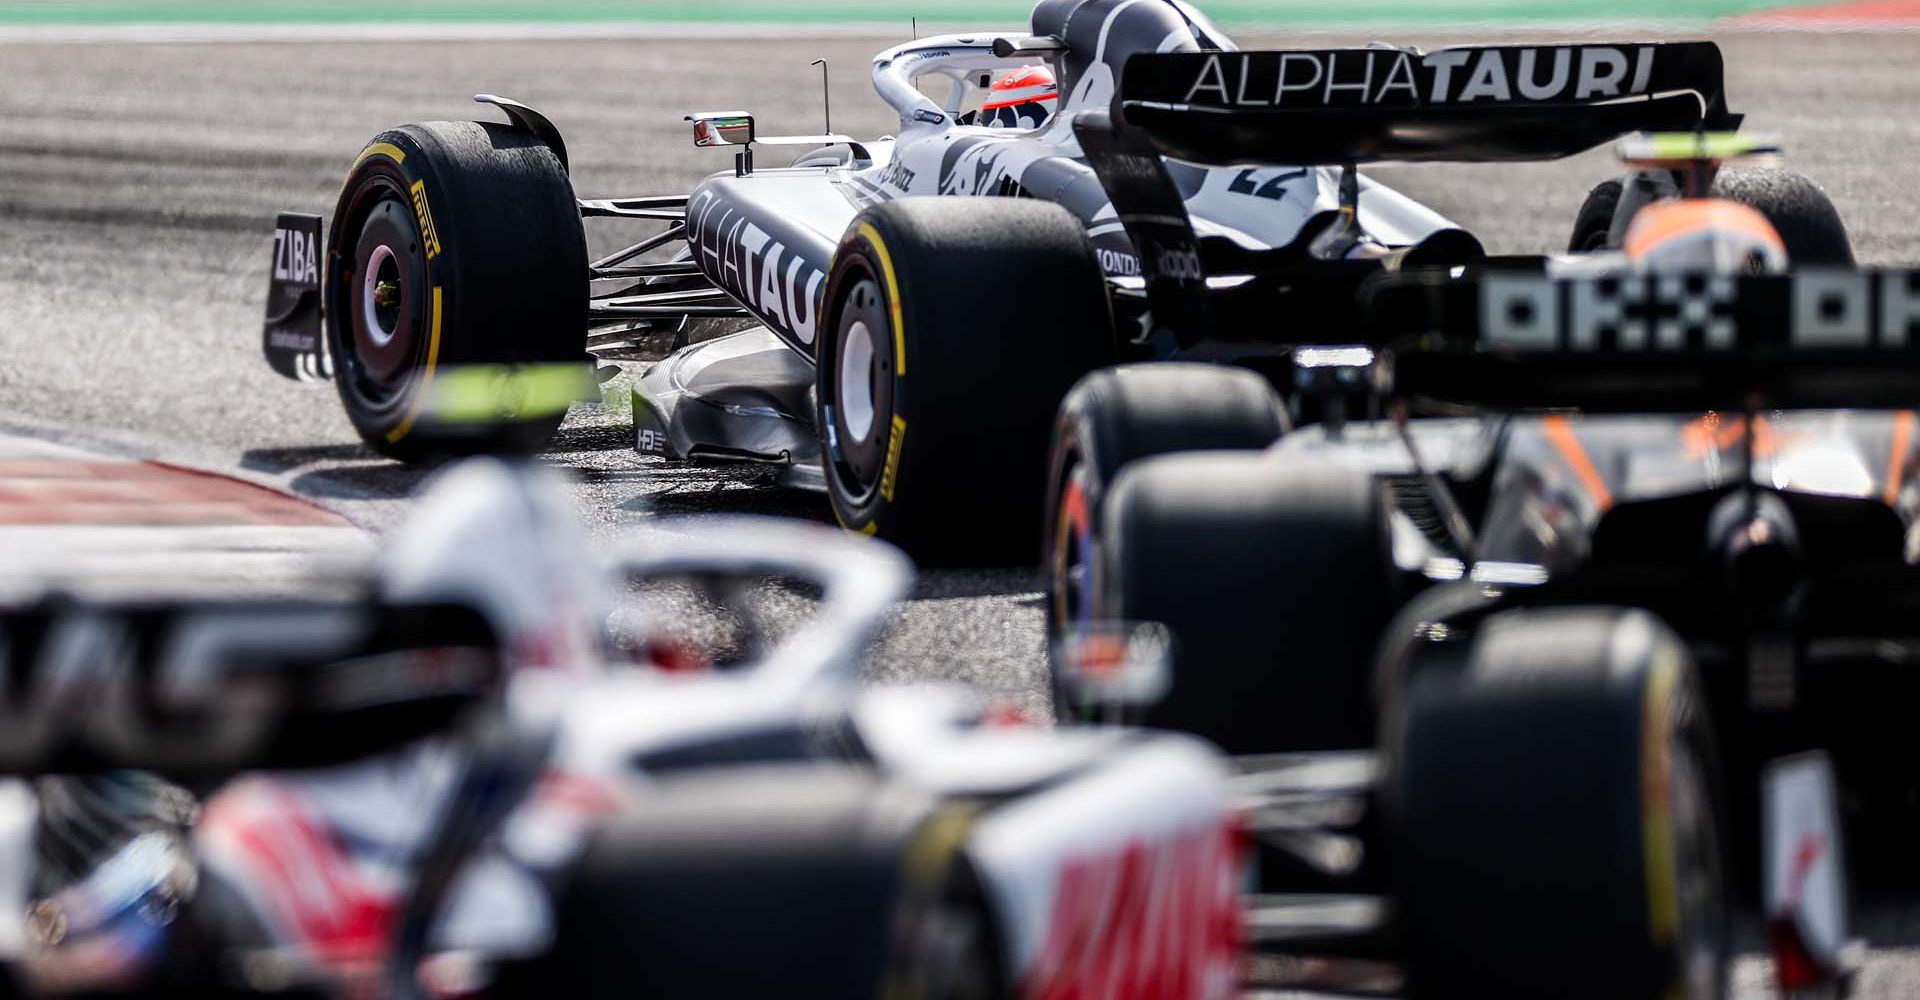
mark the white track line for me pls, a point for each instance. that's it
(23, 447)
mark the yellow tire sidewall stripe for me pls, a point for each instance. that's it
(872, 236)
(931, 852)
(386, 149)
(891, 278)
(1656, 818)
(890, 473)
(426, 376)
(399, 156)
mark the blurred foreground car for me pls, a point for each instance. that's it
(446, 789)
(1602, 628)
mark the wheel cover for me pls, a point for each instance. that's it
(856, 382)
(383, 298)
(858, 397)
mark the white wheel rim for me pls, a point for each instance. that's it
(856, 382)
(369, 289)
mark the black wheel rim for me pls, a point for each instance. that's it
(857, 380)
(381, 299)
(1073, 553)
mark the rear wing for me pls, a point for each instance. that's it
(1814, 339)
(1469, 103)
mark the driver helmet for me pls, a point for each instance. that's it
(1024, 98)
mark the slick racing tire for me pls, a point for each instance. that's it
(1117, 416)
(801, 881)
(1800, 211)
(954, 327)
(1275, 575)
(453, 243)
(1593, 224)
(1551, 806)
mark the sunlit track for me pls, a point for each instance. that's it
(138, 186)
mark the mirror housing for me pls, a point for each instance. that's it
(1110, 670)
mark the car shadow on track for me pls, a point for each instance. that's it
(591, 437)
(681, 489)
(373, 481)
(279, 461)
(349, 472)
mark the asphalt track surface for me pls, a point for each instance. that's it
(138, 184)
(1239, 14)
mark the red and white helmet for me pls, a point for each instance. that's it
(1024, 98)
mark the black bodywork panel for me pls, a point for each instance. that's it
(291, 335)
(1819, 338)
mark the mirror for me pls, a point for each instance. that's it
(721, 128)
(1111, 669)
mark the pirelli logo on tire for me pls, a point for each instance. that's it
(889, 475)
(429, 236)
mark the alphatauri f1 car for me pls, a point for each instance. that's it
(919, 303)
(1589, 594)
(449, 787)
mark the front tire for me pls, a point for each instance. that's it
(1552, 807)
(453, 243)
(955, 325)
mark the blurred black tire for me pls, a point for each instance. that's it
(1275, 574)
(744, 882)
(1799, 209)
(1553, 813)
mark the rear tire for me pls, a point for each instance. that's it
(1800, 211)
(1118, 416)
(453, 243)
(1525, 841)
(998, 306)
(1593, 224)
(1275, 576)
(834, 879)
